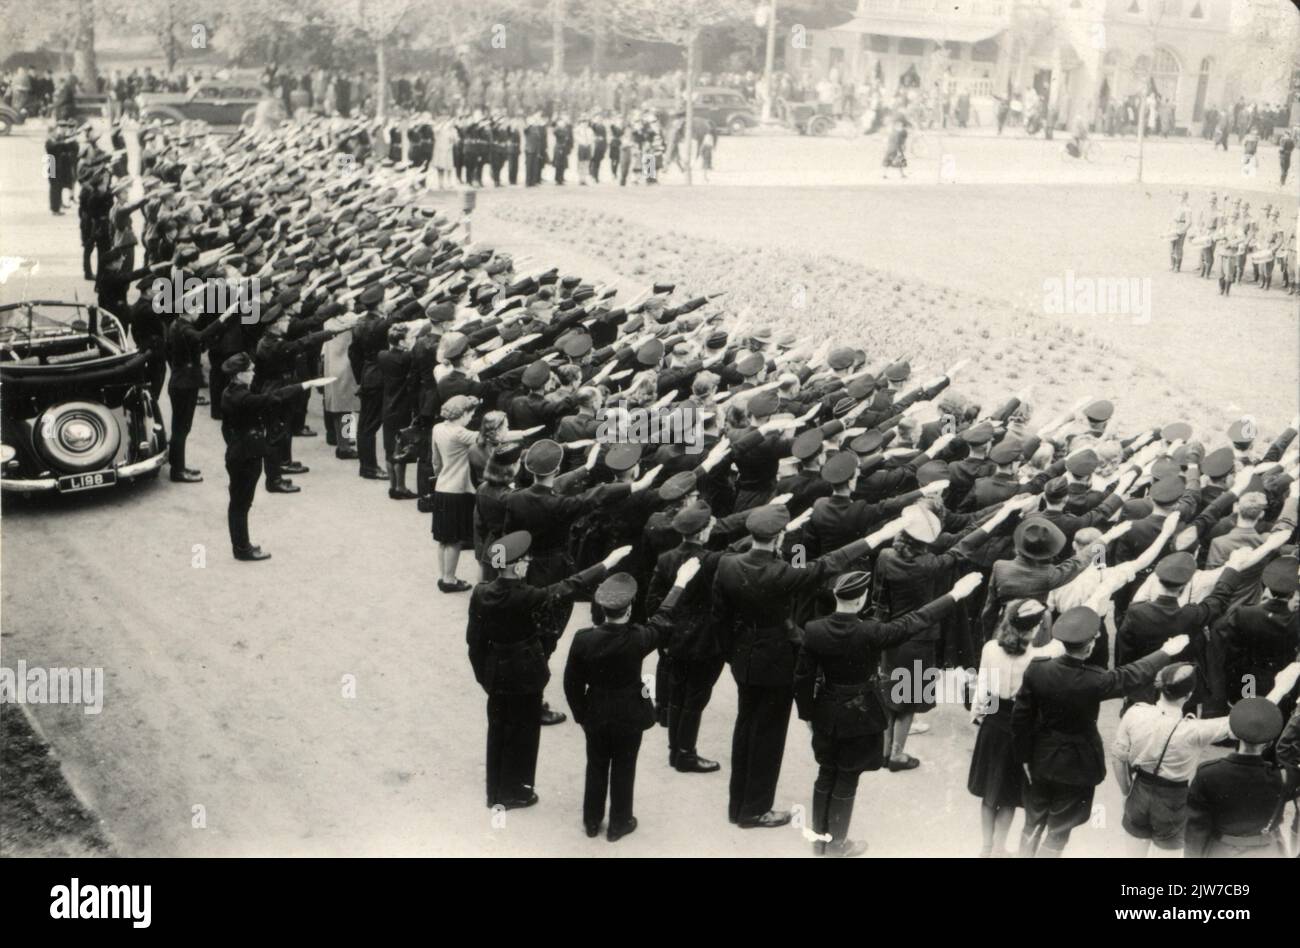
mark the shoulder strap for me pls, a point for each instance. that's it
(1161, 759)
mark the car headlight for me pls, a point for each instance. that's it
(7, 453)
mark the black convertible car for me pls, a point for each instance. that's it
(75, 408)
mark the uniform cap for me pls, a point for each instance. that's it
(749, 364)
(931, 471)
(1082, 463)
(1241, 432)
(1255, 720)
(840, 358)
(1218, 463)
(575, 345)
(764, 523)
(677, 486)
(623, 457)
(454, 345)
(372, 295)
(843, 407)
(763, 404)
(978, 434)
(1280, 576)
(1058, 488)
(1076, 626)
(536, 374)
(1038, 538)
(852, 585)
(543, 457)
(1176, 569)
(867, 442)
(510, 547)
(860, 388)
(650, 353)
(1099, 411)
(840, 468)
(1005, 452)
(616, 593)
(691, 520)
(898, 372)
(1167, 490)
(808, 444)
(1178, 431)
(1137, 509)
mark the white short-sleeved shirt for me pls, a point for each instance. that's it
(1144, 729)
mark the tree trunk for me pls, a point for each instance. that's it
(689, 130)
(598, 36)
(557, 37)
(84, 52)
(381, 81)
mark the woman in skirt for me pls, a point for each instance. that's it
(453, 493)
(995, 777)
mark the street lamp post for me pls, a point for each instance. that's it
(769, 62)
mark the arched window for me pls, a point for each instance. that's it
(1166, 74)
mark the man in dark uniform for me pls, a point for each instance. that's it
(1054, 728)
(185, 345)
(508, 653)
(149, 333)
(1234, 804)
(243, 425)
(275, 360)
(369, 338)
(753, 593)
(602, 682)
(534, 150)
(1254, 643)
(835, 688)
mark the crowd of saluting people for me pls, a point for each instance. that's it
(843, 535)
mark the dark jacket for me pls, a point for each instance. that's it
(244, 415)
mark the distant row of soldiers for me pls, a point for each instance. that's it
(1233, 245)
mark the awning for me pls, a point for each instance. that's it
(917, 29)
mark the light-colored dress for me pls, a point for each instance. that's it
(445, 137)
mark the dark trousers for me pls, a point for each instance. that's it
(497, 162)
(217, 380)
(299, 417)
(514, 731)
(690, 685)
(512, 167)
(561, 165)
(596, 157)
(611, 769)
(834, 792)
(183, 402)
(156, 366)
(244, 475)
(279, 444)
(369, 420)
(757, 747)
(56, 197)
(424, 461)
(532, 169)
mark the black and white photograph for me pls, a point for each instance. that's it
(591, 429)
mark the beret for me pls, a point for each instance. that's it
(543, 457)
(840, 468)
(763, 404)
(372, 295)
(1280, 576)
(764, 523)
(622, 457)
(840, 358)
(1005, 451)
(898, 372)
(749, 364)
(239, 362)
(1099, 411)
(1219, 463)
(808, 444)
(1082, 463)
(677, 486)
(867, 442)
(650, 353)
(457, 406)
(1167, 490)
(692, 519)
(978, 434)
(920, 523)
(1137, 509)
(1241, 432)
(1176, 569)
(1077, 626)
(1056, 489)
(510, 547)
(616, 592)
(1038, 538)
(1178, 431)
(575, 345)
(931, 471)
(536, 374)
(1255, 720)
(852, 585)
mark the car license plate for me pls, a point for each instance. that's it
(70, 483)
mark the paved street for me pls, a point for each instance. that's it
(226, 681)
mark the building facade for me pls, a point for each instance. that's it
(1079, 54)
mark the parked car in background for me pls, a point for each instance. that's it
(75, 409)
(222, 104)
(726, 109)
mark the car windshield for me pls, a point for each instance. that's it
(43, 318)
